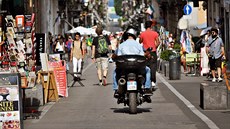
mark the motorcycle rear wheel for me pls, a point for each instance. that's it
(133, 103)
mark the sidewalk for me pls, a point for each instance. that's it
(189, 87)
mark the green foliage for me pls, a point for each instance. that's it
(166, 54)
(118, 7)
(177, 46)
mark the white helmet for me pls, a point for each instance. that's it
(131, 32)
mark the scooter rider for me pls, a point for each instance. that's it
(131, 47)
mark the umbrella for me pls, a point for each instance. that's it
(205, 31)
(80, 29)
(92, 31)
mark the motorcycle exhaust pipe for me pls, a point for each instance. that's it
(121, 81)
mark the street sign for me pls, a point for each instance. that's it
(187, 9)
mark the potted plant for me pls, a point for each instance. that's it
(164, 61)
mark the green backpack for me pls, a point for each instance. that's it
(102, 47)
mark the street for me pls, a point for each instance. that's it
(93, 107)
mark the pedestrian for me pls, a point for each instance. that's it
(215, 51)
(100, 49)
(114, 44)
(77, 55)
(68, 45)
(131, 47)
(50, 36)
(60, 47)
(150, 41)
(89, 42)
(58, 37)
(84, 43)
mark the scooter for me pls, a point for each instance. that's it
(130, 75)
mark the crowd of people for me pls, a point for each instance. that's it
(103, 48)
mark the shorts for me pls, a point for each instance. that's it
(102, 63)
(215, 63)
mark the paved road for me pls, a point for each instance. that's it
(93, 107)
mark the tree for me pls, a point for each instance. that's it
(118, 6)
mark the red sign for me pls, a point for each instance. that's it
(60, 77)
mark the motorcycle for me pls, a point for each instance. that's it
(130, 76)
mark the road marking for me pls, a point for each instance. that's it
(204, 118)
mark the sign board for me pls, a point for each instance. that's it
(187, 9)
(10, 101)
(40, 46)
(59, 70)
(44, 61)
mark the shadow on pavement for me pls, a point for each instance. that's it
(97, 84)
(126, 110)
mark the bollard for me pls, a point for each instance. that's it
(213, 96)
(166, 69)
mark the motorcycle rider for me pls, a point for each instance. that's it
(131, 47)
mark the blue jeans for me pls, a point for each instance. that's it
(147, 80)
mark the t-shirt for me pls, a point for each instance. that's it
(77, 51)
(149, 37)
(215, 48)
(95, 43)
(68, 45)
(89, 42)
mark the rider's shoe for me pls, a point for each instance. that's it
(148, 99)
(148, 91)
(154, 86)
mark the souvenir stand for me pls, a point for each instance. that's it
(17, 52)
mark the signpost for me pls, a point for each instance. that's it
(187, 9)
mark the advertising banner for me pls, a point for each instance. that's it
(59, 68)
(10, 102)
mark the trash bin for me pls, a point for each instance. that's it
(174, 67)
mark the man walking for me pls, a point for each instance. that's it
(150, 41)
(100, 49)
(77, 55)
(215, 50)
